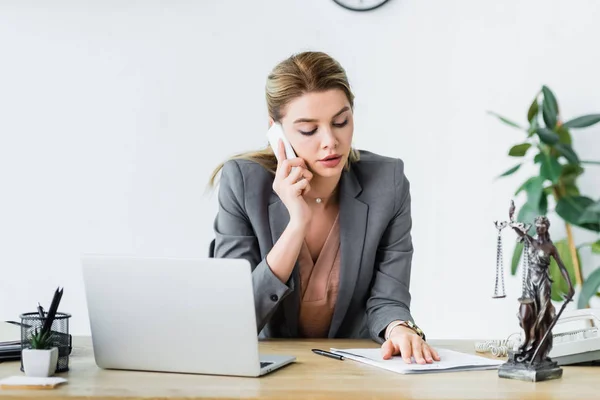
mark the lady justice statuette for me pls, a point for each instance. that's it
(537, 316)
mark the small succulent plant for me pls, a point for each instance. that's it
(41, 340)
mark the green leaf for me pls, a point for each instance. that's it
(527, 214)
(516, 257)
(569, 173)
(535, 189)
(571, 209)
(583, 122)
(543, 207)
(536, 193)
(519, 150)
(567, 152)
(505, 120)
(539, 157)
(550, 168)
(571, 190)
(589, 288)
(589, 217)
(526, 184)
(41, 340)
(548, 94)
(511, 171)
(533, 109)
(595, 207)
(559, 284)
(547, 136)
(590, 162)
(549, 108)
(591, 214)
(564, 136)
(596, 247)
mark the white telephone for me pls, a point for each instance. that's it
(275, 133)
(580, 345)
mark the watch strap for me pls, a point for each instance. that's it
(408, 324)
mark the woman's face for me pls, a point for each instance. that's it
(319, 126)
(541, 228)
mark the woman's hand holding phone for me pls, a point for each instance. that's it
(292, 180)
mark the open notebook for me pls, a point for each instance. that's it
(450, 361)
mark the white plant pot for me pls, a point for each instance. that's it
(40, 363)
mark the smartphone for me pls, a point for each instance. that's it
(275, 133)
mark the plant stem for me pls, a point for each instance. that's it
(572, 249)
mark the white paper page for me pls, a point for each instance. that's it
(450, 360)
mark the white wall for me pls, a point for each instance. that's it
(114, 113)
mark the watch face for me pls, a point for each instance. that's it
(360, 5)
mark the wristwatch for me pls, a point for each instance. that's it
(408, 324)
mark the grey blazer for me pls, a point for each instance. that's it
(375, 239)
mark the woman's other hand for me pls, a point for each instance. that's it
(408, 344)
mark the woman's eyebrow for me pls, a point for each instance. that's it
(341, 111)
(346, 108)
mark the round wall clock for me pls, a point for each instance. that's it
(360, 5)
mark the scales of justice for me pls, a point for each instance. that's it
(537, 315)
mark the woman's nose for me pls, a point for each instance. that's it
(329, 139)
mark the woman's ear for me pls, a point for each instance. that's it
(271, 122)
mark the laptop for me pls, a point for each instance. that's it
(175, 315)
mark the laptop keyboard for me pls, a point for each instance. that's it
(265, 364)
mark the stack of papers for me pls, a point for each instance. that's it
(450, 361)
(10, 342)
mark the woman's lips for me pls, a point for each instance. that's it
(331, 162)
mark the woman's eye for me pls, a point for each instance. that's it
(308, 133)
(341, 124)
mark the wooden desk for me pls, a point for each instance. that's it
(311, 377)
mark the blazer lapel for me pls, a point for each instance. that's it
(353, 227)
(278, 220)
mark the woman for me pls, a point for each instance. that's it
(329, 240)
(537, 313)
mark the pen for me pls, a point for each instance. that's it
(41, 311)
(52, 311)
(328, 354)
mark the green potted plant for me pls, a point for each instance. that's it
(40, 360)
(548, 146)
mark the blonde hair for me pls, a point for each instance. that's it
(299, 74)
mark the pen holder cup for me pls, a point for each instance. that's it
(61, 339)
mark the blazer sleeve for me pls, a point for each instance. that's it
(235, 238)
(390, 297)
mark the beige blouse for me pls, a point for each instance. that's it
(319, 285)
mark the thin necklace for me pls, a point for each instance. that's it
(319, 200)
